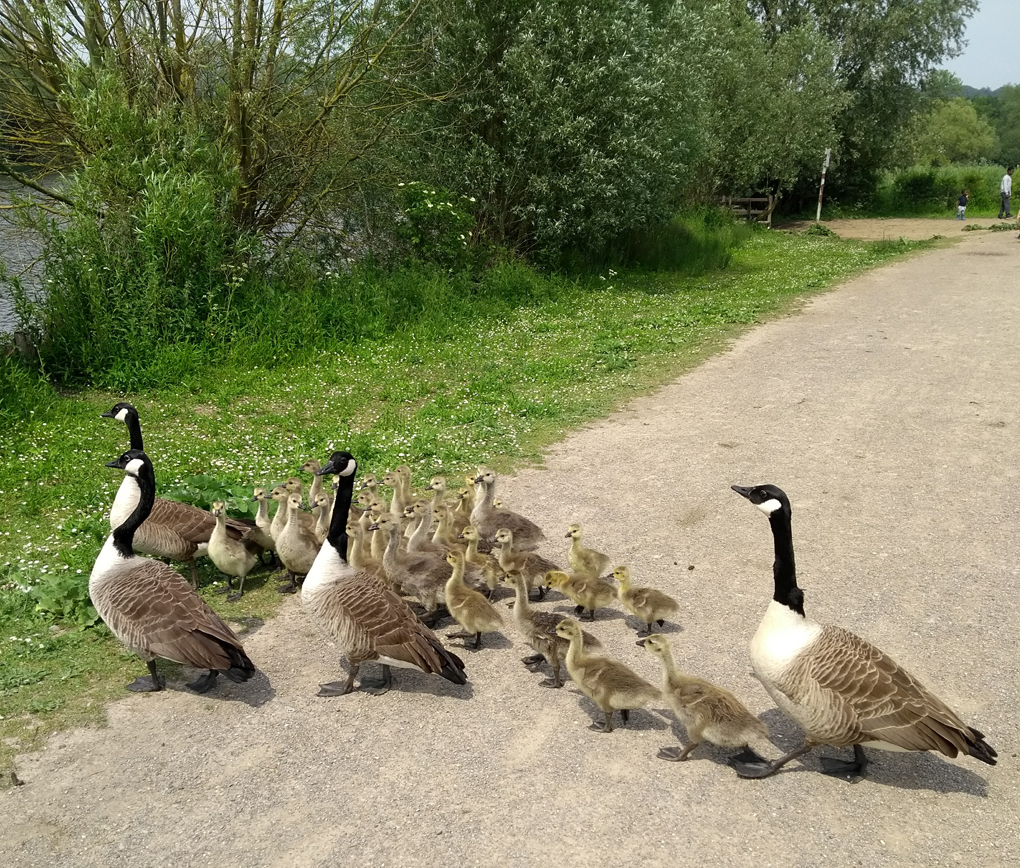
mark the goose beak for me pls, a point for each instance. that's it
(322, 471)
(640, 643)
(109, 414)
(742, 490)
(373, 527)
(117, 463)
(567, 534)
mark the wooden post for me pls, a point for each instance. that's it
(821, 186)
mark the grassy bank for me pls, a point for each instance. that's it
(497, 389)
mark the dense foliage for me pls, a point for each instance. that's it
(203, 176)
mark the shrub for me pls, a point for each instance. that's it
(925, 190)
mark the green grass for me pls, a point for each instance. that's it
(496, 389)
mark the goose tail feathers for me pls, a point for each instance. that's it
(980, 749)
(452, 666)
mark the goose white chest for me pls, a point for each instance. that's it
(781, 636)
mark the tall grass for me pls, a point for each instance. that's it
(925, 191)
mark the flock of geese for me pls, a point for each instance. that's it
(377, 576)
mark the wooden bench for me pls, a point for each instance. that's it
(758, 208)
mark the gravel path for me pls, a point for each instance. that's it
(887, 409)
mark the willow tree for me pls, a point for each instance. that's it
(292, 94)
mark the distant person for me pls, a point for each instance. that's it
(1006, 188)
(961, 206)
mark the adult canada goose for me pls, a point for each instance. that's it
(650, 605)
(364, 617)
(469, 608)
(296, 546)
(173, 530)
(232, 557)
(706, 711)
(838, 688)
(151, 608)
(488, 519)
(538, 629)
(608, 683)
(583, 560)
(531, 564)
(586, 592)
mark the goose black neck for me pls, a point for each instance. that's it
(337, 534)
(784, 570)
(124, 534)
(134, 430)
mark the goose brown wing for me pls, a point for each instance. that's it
(189, 522)
(152, 608)
(865, 695)
(371, 621)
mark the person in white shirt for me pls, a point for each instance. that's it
(1006, 189)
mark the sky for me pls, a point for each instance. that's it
(990, 58)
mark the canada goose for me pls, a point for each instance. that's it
(173, 530)
(485, 562)
(706, 711)
(607, 683)
(584, 561)
(232, 557)
(465, 504)
(262, 532)
(295, 485)
(531, 564)
(322, 507)
(296, 546)
(437, 485)
(364, 617)
(488, 519)
(650, 605)
(401, 496)
(469, 608)
(148, 605)
(445, 535)
(421, 539)
(838, 688)
(417, 574)
(586, 592)
(538, 629)
(313, 466)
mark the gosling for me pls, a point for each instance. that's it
(709, 713)
(468, 607)
(588, 593)
(650, 605)
(608, 683)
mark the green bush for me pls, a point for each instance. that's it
(931, 191)
(22, 391)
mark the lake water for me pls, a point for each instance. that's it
(18, 249)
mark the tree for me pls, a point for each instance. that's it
(293, 94)
(774, 103)
(883, 51)
(575, 122)
(950, 132)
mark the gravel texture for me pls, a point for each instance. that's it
(888, 411)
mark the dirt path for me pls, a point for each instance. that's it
(908, 228)
(888, 410)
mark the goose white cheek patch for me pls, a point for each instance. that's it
(349, 469)
(134, 466)
(122, 415)
(769, 506)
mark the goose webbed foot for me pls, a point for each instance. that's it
(846, 770)
(539, 596)
(603, 727)
(151, 683)
(338, 688)
(378, 686)
(533, 660)
(675, 754)
(766, 769)
(225, 590)
(290, 586)
(748, 756)
(591, 616)
(234, 597)
(205, 683)
(550, 682)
